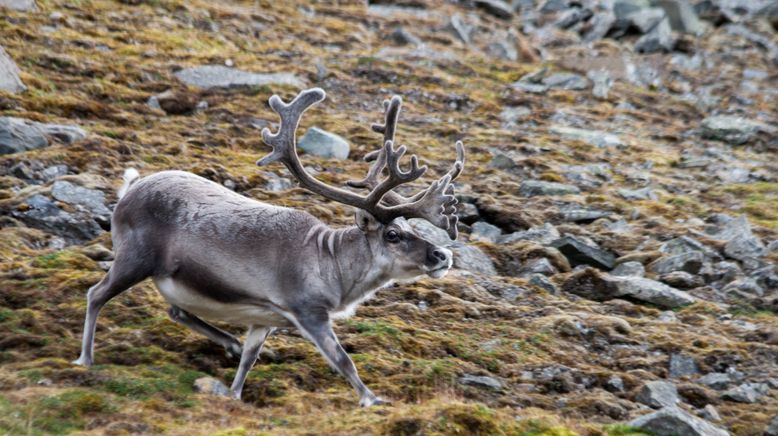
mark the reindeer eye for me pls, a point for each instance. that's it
(392, 236)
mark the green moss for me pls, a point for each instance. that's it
(65, 259)
(6, 314)
(67, 411)
(374, 328)
(623, 430)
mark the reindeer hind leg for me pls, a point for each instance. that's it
(226, 340)
(123, 274)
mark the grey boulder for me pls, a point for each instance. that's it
(732, 129)
(658, 394)
(672, 420)
(533, 188)
(18, 5)
(9, 73)
(594, 285)
(322, 143)
(90, 199)
(481, 381)
(19, 134)
(579, 253)
(42, 213)
(219, 76)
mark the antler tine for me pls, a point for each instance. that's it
(396, 175)
(388, 129)
(285, 151)
(283, 142)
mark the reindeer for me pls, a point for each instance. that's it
(217, 255)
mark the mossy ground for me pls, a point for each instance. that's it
(97, 67)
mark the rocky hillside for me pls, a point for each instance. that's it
(616, 265)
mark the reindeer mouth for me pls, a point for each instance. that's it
(438, 272)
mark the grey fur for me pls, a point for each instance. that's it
(217, 255)
(232, 251)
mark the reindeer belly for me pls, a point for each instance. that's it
(199, 304)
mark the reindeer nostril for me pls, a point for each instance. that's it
(439, 255)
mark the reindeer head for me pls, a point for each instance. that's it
(382, 213)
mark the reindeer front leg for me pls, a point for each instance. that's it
(316, 326)
(251, 348)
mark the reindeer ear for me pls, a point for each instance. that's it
(366, 222)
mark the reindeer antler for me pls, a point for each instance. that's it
(435, 204)
(443, 185)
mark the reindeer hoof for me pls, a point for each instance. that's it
(81, 361)
(234, 351)
(374, 401)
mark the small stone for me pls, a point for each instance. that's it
(645, 19)
(53, 172)
(553, 6)
(601, 83)
(660, 38)
(276, 183)
(17, 135)
(673, 420)
(42, 213)
(744, 286)
(532, 188)
(594, 285)
(9, 72)
(690, 262)
(681, 280)
(91, 199)
(497, 8)
(544, 235)
(572, 16)
(715, 380)
(211, 386)
(637, 194)
(772, 427)
(467, 213)
(593, 137)
(484, 231)
(633, 269)
(746, 393)
(685, 244)
(624, 8)
(460, 28)
(732, 129)
(614, 384)
(710, 413)
(579, 253)
(667, 316)
(400, 36)
(511, 115)
(502, 161)
(566, 81)
(219, 76)
(577, 214)
(470, 258)
(658, 394)
(744, 247)
(65, 134)
(322, 143)
(538, 265)
(503, 48)
(682, 365)
(681, 15)
(544, 283)
(176, 102)
(481, 381)
(601, 24)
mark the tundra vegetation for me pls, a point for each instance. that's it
(618, 218)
